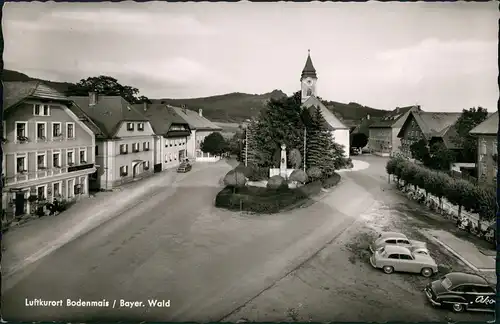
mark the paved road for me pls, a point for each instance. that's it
(339, 283)
(213, 264)
(176, 246)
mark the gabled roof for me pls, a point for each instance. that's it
(487, 127)
(309, 70)
(109, 112)
(196, 121)
(393, 117)
(161, 117)
(432, 124)
(15, 92)
(332, 121)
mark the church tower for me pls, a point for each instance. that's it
(308, 79)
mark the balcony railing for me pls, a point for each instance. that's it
(80, 167)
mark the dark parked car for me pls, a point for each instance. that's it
(462, 292)
(184, 167)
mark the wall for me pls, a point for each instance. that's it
(380, 139)
(171, 151)
(132, 158)
(411, 134)
(487, 167)
(342, 137)
(276, 171)
(191, 145)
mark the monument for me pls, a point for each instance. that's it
(283, 162)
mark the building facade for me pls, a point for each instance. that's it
(430, 126)
(48, 152)
(487, 151)
(125, 141)
(383, 135)
(308, 82)
(200, 128)
(172, 134)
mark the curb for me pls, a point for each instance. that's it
(455, 253)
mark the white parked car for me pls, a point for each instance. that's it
(395, 238)
(399, 258)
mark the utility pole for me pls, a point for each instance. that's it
(246, 146)
(305, 141)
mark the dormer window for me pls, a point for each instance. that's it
(41, 110)
(130, 126)
(140, 126)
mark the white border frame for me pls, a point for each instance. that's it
(123, 151)
(85, 155)
(52, 137)
(42, 110)
(25, 156)
(67, 132)
(44, 153)
(70, 190)
(143, 126)
(44, 131)
(60, 190)
(130, 129)
(124, 168)
(58, 152)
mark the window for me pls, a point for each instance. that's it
(140, 126)
(146, 165)
(40, 192)
(145, 146)
(403, 242)
(56, 191)
(390, 241)
(463, 288)
(175, 142)
(394, 256)
(405, 257)
(135, 147)
(446, 282)
(70, 130)
(484, 290)
(96, 150)
(170, 156)
(21, 164)
(123, 148)
(41, 161)
(41, 110)
(166, 158)
(70, 188)
(22, 131)
(130, 126)
(41, 131)
(56, 160)
(170, 143)
(83, 156)
(198, 153)
(56, 130)
(70, 158)
(309, 92)
(123, 170)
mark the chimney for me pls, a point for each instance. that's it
(145, 104)
(183, 108)
(92, 98)
(397, 110)
(368, 117)
(200, 112)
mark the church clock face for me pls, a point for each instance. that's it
(309, 82)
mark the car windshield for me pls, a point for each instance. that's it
(381, 250)
(446, 282)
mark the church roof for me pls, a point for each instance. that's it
(333, 122)
(309, 70)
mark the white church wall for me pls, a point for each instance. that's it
(342, 137)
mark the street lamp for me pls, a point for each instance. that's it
(305, 141)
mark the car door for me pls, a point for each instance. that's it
(403, 242)
(483, 297)
(394, 261)
(464, 294)
(406, 263)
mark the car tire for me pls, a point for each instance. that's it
(458, 308)
(426, 272)
(388, 269)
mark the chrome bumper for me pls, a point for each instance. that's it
(372, 263)
(429, 297)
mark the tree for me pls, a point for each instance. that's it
(468, 120)
(234, 180)
(299, 176)
(214, 144)
(440, 157)
(106, 86)
(420, 151)
(359, 140)
(295, 158)
(280, 122)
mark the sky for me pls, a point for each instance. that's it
(442, 56)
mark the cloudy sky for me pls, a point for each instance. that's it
(442, 56)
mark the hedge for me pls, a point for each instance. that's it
(464, 194)
(331, 181)
(268, 201)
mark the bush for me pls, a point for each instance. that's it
(314, 173)
(464, 194)
(299, 176)
(275, 182)
(264, 200)
(235, 179)
(331, 181)
(247, 171)
(258, 173)
(295, 158)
